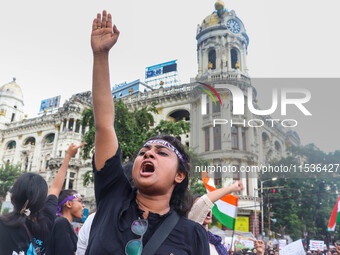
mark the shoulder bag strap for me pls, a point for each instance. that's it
(37, 249)
(160, 234)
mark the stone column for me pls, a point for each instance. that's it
(62, 126)
(67, 124)
(229, 57)
(74, 125)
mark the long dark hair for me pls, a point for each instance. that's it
(64, 194)
(32, 188)
(181, 199)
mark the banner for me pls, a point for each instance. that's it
(295, 248)
(315, 245)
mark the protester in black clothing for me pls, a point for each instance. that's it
(63, 238)
(34, 211)
(160, 174)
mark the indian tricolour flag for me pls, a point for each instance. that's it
(335, 217)
(225, 209)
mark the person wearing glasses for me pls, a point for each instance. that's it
(63, 238)
(127, 217)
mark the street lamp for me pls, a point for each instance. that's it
(262, 224)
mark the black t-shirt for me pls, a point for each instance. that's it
(117, 209)
(63, 238)
(16, 240)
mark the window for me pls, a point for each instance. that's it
(208, 107)
(277, 146)
(13, 116)
(265, 139)
(236, 174)
(71, 180)
(30, 140)
(216, 107)
(49, 138)
(77, 126)
(234, 138)
(207, 138)
(212, 59)
(234, 58)
(217, 137)
(11, 145)
(244, 140)
(218, 179)
(70, 124)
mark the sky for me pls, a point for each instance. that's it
(45, 45)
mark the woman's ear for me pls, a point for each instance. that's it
(180, 176)
(68, 204)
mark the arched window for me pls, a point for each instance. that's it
(277, 146)
(11, 145)
(30, 140)
(180, 115)
(49, 138)
(212, 59)
(235, 62)
(265, 139)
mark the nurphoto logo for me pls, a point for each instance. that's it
(238, 108)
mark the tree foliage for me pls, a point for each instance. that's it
(8, 174)
(307, 199)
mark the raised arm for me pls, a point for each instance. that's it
(103, 37)
(58, 181)
(204, 204)
(259, 246)
(337, 248)
(219, 193)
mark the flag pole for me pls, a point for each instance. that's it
(232, 238)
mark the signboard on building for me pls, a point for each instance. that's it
(242, 224)
(49, 104)
(159, 69)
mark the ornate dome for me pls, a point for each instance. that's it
(216, 17)
(12, 89)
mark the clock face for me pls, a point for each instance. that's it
(233, 26)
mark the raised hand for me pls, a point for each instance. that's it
(73, 149)
(237, 186)
(103, 35)
(259, 246)
(337, 248)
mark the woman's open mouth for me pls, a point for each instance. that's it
(147, 169)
